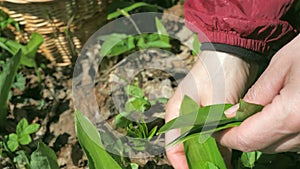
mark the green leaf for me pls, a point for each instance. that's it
(28, 51)
(134, 91)
(43, 158)
(20, 82)
(134, 166)
(246, 110)
(164, 36)
(24, 130)
(24, 139)
(23, 123)
(121, 120)
(137, 104)
(198, 153)
(128, 9)
(116, 44)
(209, 165)
(21, 160)
(248, 159)
(152, 133)
(90, 141)
(7, 77)
(199, 117)
(196, 45)
(32, 128)
(163, 100)
(156, 44)
(12, 142)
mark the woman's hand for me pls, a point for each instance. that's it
(216, 78)
(277, 127)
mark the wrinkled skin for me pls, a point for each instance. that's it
(206, 84)
(277, 127)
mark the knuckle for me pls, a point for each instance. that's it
(243, 144)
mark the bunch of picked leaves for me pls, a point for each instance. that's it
(208, 119)
(201, 149)
(196, 123)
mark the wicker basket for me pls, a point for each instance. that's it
(64, 24)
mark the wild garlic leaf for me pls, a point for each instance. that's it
(208, 127)
(199, 117)
(90, 140)
(199, 153)
(248, 159)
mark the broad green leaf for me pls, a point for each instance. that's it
(199, 118)
(134, 91)
(199, 153)
(21, 160)
(12, 142)
(43, 158)
(248, 159)
(164, 36)
(7, 77)
(90, 141)
(112, 42)
(128, 9)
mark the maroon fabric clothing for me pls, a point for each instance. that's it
(257, 25)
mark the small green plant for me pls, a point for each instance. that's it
(5, 21)
(21, 54)
(117, 44)
(14, 147)
(22, 136)
(137, 103)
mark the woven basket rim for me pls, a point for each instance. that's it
(26, 1)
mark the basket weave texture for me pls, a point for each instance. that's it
(61, 22)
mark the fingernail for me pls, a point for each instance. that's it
(231, 111)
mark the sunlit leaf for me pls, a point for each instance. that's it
(199, 153)
(128, 9)
(12, 142)
(90, 141)
(248, 159)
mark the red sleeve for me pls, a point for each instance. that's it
(252, 24)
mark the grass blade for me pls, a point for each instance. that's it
(7, 77)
